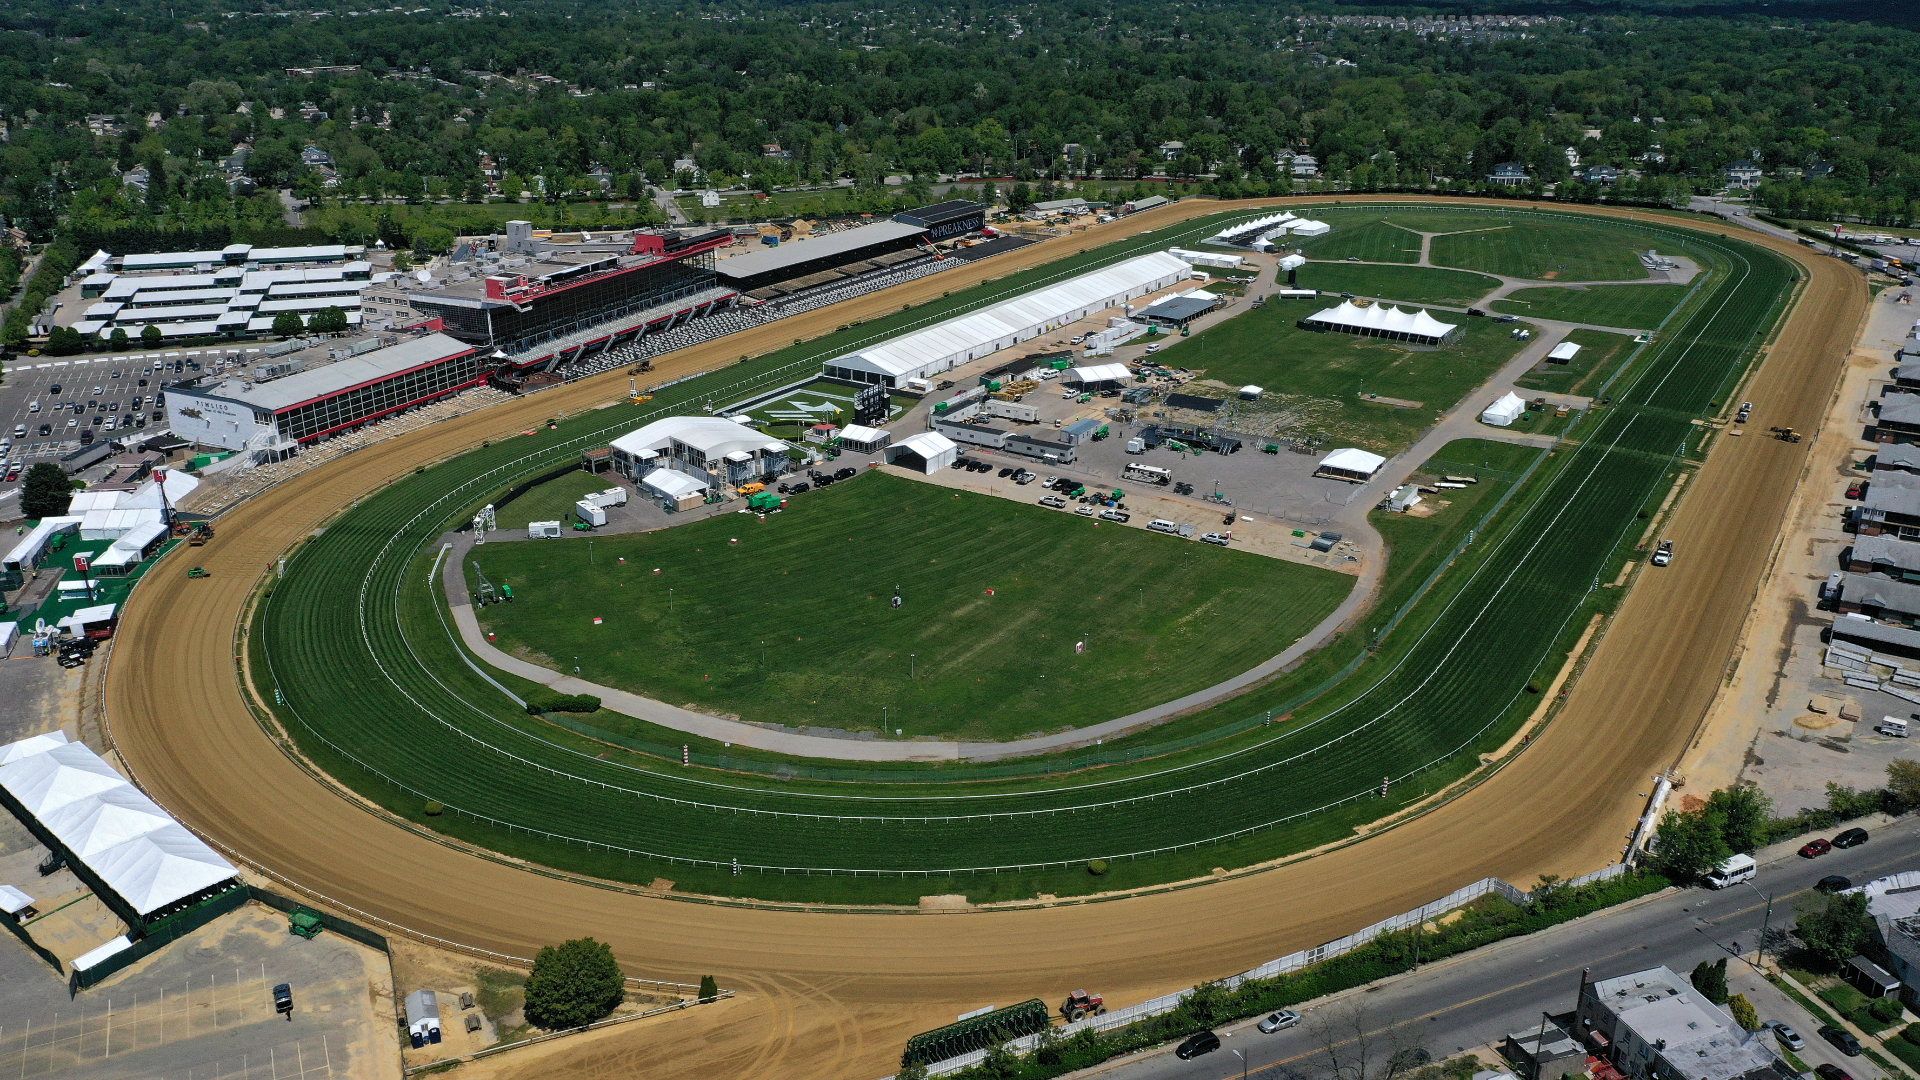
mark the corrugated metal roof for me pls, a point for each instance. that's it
(337, 376)
(795, 252)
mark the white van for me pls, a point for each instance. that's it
(33, 406)
(1735, 870)
(1163, 525)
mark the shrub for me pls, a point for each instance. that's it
(573, 985)
(1711, 980)
(1911, 1033)
(709, 989)
(1743, 1013)
(1886, 1009)
(1097, 867)
(575, 703)
(433, 809)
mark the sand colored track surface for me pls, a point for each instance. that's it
(836, 995)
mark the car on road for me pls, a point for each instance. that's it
(1279, 1021)
(1815, 848)
(1851, 838)
(1207, 1042)
(1842, 1040)
(1663, 554)
(1506, 318)
(1346, 296)
(1788, 1037)
(1054, 501)
(1833, 883)
(1830, 1072)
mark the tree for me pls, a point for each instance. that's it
(1020, 198)
(1711, 980)
(46, 492)
(287, 324)
(330, 320)
(573, 984)
(120, 341)
(1690, 844)
(709, 989)
(1743, 1012)
(1743, 813)
(1903, 781)
(1835, 930)
(150, 336)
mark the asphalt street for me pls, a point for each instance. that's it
(1470, 1001)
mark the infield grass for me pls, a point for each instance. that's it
(1600, 355)
(1352, 235)
(551, 501)
(998, 598)
(1634, 307)
(1568, 250)
(1406, 284)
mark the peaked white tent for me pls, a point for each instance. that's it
(48, 781)
(1503, 412)
(110, 818)
(1099, 373)
(1564, 352)
(1351, 463)
(1382, 320)
(161, 867)
(927, 451)
(38, 744)
(1311, 228)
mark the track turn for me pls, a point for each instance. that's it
(829, 995)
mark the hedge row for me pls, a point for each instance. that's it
(580, 703)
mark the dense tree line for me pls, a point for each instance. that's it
(1023, 91)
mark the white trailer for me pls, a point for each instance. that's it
(543, 530)
(613, 496)
(1152, 474)
(590, 513)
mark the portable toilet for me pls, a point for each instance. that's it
(423, 1018)
(590, 513)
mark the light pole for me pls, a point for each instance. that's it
(1760, 953)
(1243, 1064)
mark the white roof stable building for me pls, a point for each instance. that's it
(140, 861)
(1382, 321)
(1504, 412)
(928, 452)
(946, 345)
(1350, 464)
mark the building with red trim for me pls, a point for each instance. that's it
(335, 392)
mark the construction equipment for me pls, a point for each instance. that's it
(198, 571)
(305, 923)
(1080, 1004)
(202, 532)
(1785, 434)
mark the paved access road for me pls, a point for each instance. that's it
(831, 995)
(1477, 999)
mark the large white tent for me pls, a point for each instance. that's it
(118, 835)
(1246, 229)
(1564, 352)
(1382, 320)
(927, 451)
(946, 345)
(1099, 373)
(1502, 413)
(1351, 463)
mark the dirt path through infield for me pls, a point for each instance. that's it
(835, 995)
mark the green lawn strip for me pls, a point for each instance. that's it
(1481, 923)
(780, 621)
(1324, 374)
(1600, 353)
(1899, 1047)
(1372, 241)
(1402, 284)
(1563, 250)
(552, 500)
(1638, 307)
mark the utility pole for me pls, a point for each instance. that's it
(1765, 924)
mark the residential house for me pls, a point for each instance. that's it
(1509, 174)
(1743, 174)
(314, 157)
(1573, 158)
(1592, 133)
(600, 177)
(772, 150)
(1901, 457)
(1654, 155)
(1888, 556)
(1819, 170)
(1601, 174)
(137, 177)
(1893, 903)
(1891, 506)
(1879, 596)
(1655, 1026)
(103, 125)
(1305, 167)
(1171, 150)
(1899, 419)
(312, 113)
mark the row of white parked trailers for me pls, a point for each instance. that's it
(592, 510)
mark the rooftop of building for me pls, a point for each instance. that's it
(795, 252)
(327, 375)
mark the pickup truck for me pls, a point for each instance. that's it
(1663, 554)
(1215, 538)
(1120, 516)
(1054, 501)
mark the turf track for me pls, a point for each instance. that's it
(375, 696)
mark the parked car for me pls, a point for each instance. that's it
(1850, 838)
(46, 429)
(1833, 883)
(800, 487)
(1083, 511)
(1006, 472)
(1023, 477)
(1842, 1041)
(1815, 848)
(1830, 1072)
(1221, 539)
(1207, 1042)
(1054, 501)
(1788, 1037)
(1857, 489)
(1279, 1021)
(1120, 516)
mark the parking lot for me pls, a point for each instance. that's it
(111, 396)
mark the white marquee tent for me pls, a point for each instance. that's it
(1263, 225)
(1351, 464)
(1310, 228)
(123, 838)
(927, 451)
(1564, 351)
(946, 345)
(1503, 412)
(1099, 373)
(1383, 320)
(671, 484)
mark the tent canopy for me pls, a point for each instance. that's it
(1384, 318)
(1353, 460)
(110, 818)
(1502, 413)
(1100, 373)
(671, 484)
(934, 450)
(1566, 350)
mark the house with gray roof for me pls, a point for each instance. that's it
(1887, 556)
(1899, 419)
(1879, 596)
(1891, 506)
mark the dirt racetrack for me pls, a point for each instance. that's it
(835, 995)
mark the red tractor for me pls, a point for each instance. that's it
(1079, 1004)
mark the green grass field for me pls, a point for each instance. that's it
(1408, 284)
(1373, 241)
(375, 691)
(1600, 353)
(1634, 307)
(1263, 346)
(1568, 251)
(997, 594)
(551, 501)
(820, 401)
